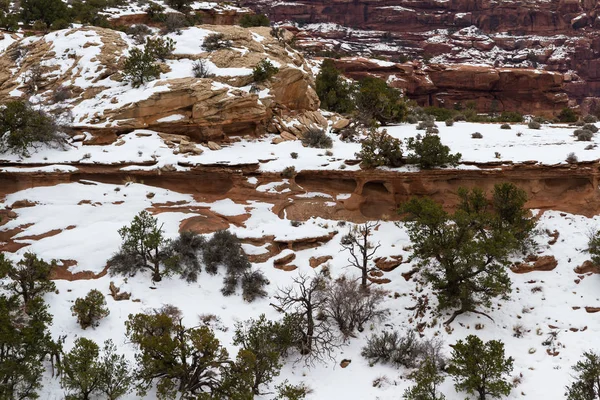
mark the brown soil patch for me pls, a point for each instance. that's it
(587, 267)
(61, 272)
(314, 262)
(387, 265)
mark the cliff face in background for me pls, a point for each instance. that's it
(558, 36)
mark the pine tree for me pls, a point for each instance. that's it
(335, 94)
(141, 249)
(429, 152)
(587, 383)
(90, 309)
(464, 255)
(29, 278)
(480, 368)
(266, 341)
(175, 358)
(140, 67)
(427, 378)
(81, 373)
(116, 378)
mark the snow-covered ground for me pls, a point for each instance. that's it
(93, 212)
(549, 145)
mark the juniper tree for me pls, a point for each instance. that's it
(174, 357)
(81, 373)
(429, 152)
(25, 343)
(116, 378)
(464, 255)
(587, 379)
(141, 249)
(357, 242)
(480, 368)
(377, 102)
(30, 277)
(379, 149)
(90, 309)
(140, 67)
(267, 342)
(427, 378)
(185, 254)
(335, 94)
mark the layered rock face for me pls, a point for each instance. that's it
(556, 35)
(527, 90)
(86, 65)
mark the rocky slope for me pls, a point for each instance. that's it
(85, 64)
(552, 35)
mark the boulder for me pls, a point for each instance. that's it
(340, 124)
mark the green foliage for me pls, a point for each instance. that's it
(29, 278)
(380, 149)
(534, 125)
(264, 71)
(267, 342)
(464, 255)
(594, 247)
(376, 101)
(156, 12)
(427, 378)
(440, 114)
(317, 138)
(184, 255)
(8, 19)
(286, 391)
(80, 373)
(141, 248)
(140, 67)
(587, 380)
(23, 127)
(160, 48)
(179, 4)
(250, 20)
(216, 41)
(510, 116)
(47, 11)
(116, 378)
(567, 115)
(26, 343)
(480, 368)
(90, 309)
(175, 358)
(429, 152)
(335, 94)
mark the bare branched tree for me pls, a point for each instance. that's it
(305, 301)
(356, 241)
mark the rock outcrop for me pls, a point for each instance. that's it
(559, 36)
(86, 63)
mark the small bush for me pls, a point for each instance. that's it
(140, 67)
(510, 116)
(590, 127)
(412, 119)
(90, 309)
(216, 41)
(294, 155)
(590, 119)
(23, 127)
(156, 12)
(440, 114)
(459, 117)
(253, 283)
(250, 20)
(288, 172)
(380, 149)
(571, 158)
(429, 152)
(594, 246)
(426, 124)
(174, 23)
(590, 147)
(583, 135)
(407, 351)
(200, 69)
(567, 115)
(476, 135)
(449, 122)
(505, 126)
(139, 32)
(534, 125)
(263, 71)
(317, 138)
(432, 131)
(61, 94)
(160, 48)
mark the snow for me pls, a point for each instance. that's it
(94, 238)
(172, 118)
